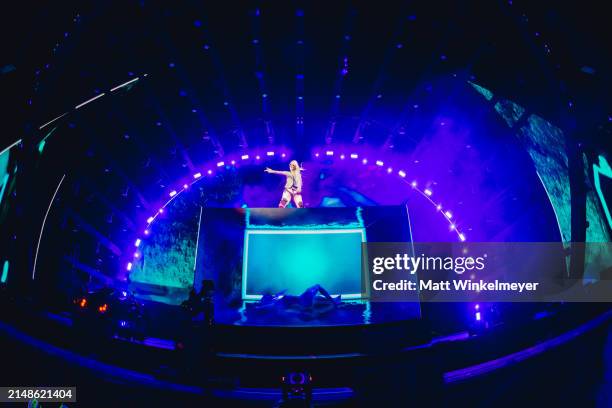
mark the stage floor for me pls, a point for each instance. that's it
(348, 313)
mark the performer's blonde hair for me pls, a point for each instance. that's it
(297, 165)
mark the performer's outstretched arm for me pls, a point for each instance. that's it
(282, 173)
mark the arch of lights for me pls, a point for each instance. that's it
(328, 154)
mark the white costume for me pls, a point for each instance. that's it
(293, 186)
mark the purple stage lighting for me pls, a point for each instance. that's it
(427, 192)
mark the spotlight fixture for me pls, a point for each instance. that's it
(297, 386)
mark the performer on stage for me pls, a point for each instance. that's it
(293, 186)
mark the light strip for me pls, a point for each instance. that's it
(10, 147)
(197, 241)
(53, 120)
(43, 225)
(124, 84)
(89, 100)
(509, 360)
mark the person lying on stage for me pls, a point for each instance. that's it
(293, 186)
(305, 300)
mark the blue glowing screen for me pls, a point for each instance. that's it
(293, 260)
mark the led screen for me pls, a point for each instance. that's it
(293, 260)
